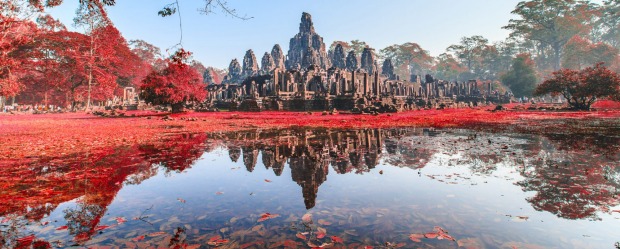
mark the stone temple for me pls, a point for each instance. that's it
(307, 79)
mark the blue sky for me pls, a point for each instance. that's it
(215, 39)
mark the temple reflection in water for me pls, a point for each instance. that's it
(309, 153)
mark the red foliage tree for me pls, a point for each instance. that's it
(64, 64)
(582, 88)
(581, 52)
(14, 34)
(177, 84)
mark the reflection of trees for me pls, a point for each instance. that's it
(177, 153)
(32, 191)
(607, 145)
(573, 180)
(83, 219)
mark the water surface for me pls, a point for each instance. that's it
(353, 188)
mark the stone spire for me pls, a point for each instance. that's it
(267, 64)
(306, 25)
(388, 69)
(207, 77)
(278, 56)
(306, 37)
(368, 60)
(352, 61)
(234, 73)
(311, 57)
(339, 58)
(250, 64)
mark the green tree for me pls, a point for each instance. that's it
(469, 50)
(408, 58)
(447, 67)
(345, 45)
(521, 78)
(358, 46)
(607, 27)
(551, 23)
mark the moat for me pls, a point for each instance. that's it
(385, 188)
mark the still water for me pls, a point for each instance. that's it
(373, 188)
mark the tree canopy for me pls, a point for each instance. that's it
(175, 85)
(521, 78)
(582, 88)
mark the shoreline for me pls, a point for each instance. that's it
(30, 137)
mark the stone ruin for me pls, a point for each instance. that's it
(307, 46)
(307, 79)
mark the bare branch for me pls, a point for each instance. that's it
(211, 5)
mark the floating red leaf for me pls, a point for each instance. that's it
(307, 218)
(217, 241)
(321, 232)
(139, 238)
(337, 239)
(324, 222)
(431, 235)
(26, 240)
(301, 236)
(120, 220)
(99, 228)
(267, 216)
(155, 234)
(415, 237)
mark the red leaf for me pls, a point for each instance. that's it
(337, 239)
(321, 232)
(267, 180)
(120, 220)
(267, 216)
(307, 218)
(99, 228)
(181, 200)
(324, 222)
(301, 236)
(155, 234)
(141, 237)
(26, 240)
(217, 241)
(431, 235)
(62, 228)
(415, 237)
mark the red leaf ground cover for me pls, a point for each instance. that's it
(29, 137)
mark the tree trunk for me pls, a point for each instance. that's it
(557, 52)
(177, 107)
(91, 62)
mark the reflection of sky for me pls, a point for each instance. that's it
(447, 191)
